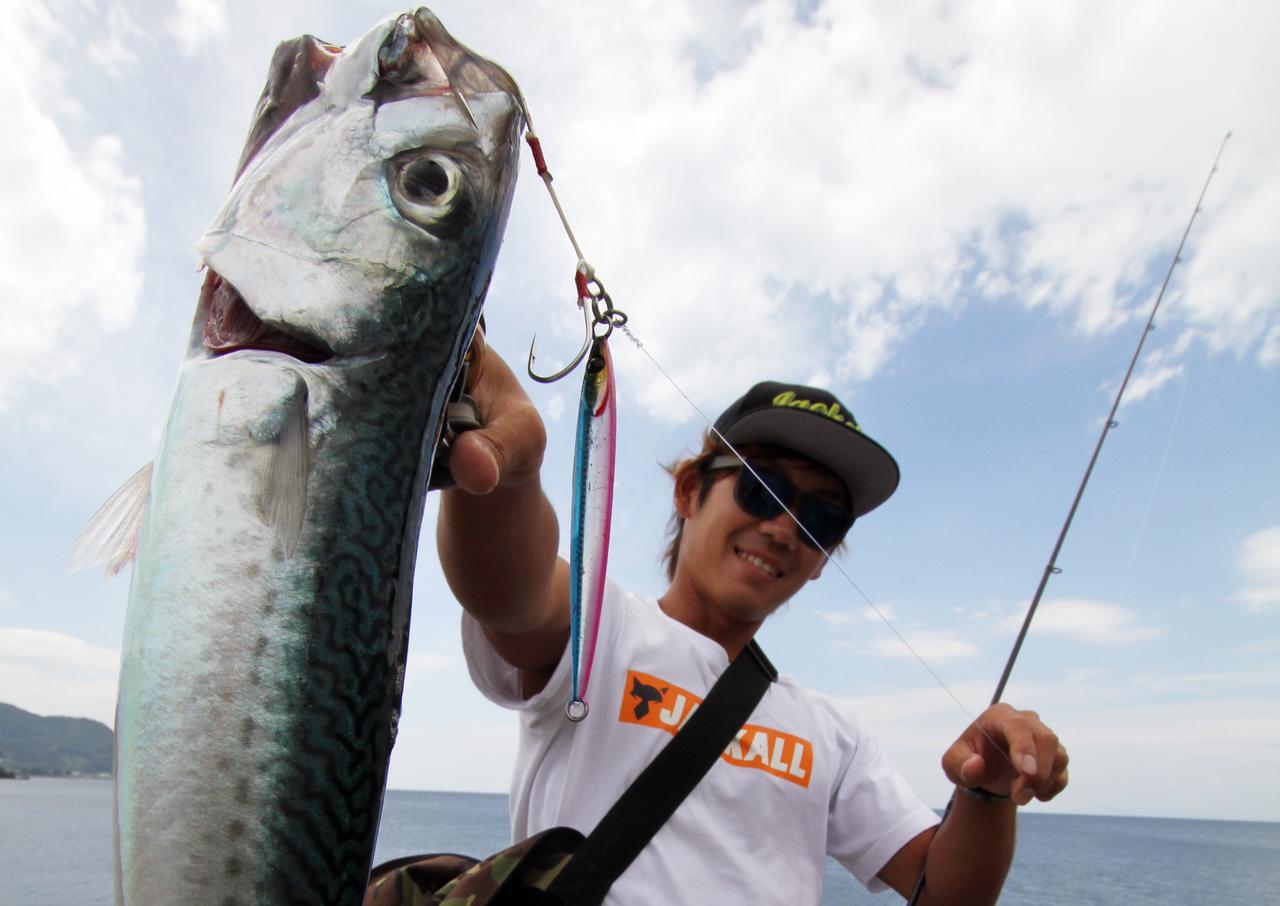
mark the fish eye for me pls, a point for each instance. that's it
(424, 180)
(430, 190)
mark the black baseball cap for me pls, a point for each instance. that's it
(815, 424)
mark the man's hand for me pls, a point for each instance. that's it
(1009, 753)
(507, 450)
(497, 534)
(1005, 752)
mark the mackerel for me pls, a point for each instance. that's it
(276, 533)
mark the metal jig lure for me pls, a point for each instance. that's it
(593, 461)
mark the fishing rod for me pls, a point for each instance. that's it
(1051, 568)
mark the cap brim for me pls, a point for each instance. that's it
(867, 469)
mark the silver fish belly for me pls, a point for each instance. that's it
(267, 627)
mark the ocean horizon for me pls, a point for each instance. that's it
(56, 848)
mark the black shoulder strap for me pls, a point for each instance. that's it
(664, 784)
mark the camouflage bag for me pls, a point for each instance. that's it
(560, 867)
(515, 876)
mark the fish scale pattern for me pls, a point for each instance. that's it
(332, 789)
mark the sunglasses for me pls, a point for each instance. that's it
(825, 522)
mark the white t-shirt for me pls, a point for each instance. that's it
(801, 780)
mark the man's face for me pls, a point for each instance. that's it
(742, 566)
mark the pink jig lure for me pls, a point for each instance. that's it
(592, 511)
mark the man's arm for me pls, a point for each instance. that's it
(1005, 752)
(497, 534)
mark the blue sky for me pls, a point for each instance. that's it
(956, 217)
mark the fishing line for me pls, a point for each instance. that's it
(831, 561)
(1155, 487)
(540, 164)
(585, 270)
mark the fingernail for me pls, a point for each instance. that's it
(1028, 764)
(1025, 796)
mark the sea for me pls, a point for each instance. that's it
(55, 850)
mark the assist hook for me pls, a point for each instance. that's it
(598, 322)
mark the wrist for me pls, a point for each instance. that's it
(979, 794)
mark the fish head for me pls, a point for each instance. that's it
(370, 201)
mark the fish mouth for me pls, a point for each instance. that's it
(230, 326)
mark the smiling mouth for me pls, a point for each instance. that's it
(759, 563)
(231, 326)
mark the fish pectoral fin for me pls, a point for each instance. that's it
(284, 491)
(111, 534)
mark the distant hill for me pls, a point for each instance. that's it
(33, 744)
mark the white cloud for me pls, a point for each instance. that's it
(1089, 621)
(1269, 354)
(58, 674)
(72, 226)
(981, 614)
(196, 24)
(880, 613)
(984, 150)
(922, 715)
(1149, 380)
(1258, 562)
(931, 646)
(927, 645)
(1199, 685)
(1262, 646)
(112, 48)
(866, 614)
(55, 648)
(1233, 281)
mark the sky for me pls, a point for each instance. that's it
(956, 216)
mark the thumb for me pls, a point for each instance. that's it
(962, 764)
(508, 448)
(473, 463)
(973, 770)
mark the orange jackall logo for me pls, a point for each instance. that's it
(653, 702)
